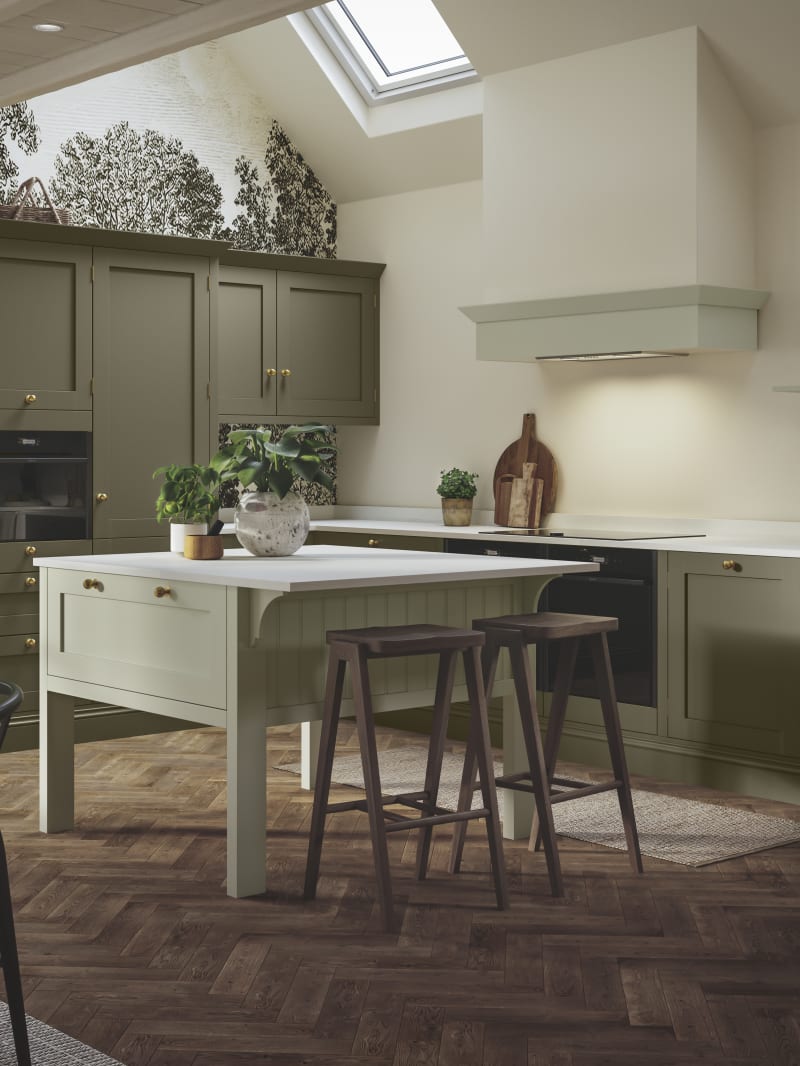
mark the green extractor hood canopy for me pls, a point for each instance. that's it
(673, 321)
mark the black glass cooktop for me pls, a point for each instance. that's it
(585, 534)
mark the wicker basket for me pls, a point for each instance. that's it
(23, 207)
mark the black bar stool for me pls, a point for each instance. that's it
(357, 647)
(517, 632)
(10, 699)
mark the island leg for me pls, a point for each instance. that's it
(309, 752)
(247, 801)
(56, 761)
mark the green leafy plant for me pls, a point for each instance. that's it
(457, 484)
(189, 493)
(260, 463)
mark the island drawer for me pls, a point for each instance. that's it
(138, 634)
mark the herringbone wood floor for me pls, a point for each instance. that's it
(128, 941)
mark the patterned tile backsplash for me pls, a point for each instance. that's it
(314, 495)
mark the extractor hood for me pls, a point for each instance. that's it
(634, 324)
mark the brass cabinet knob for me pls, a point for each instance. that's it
(92, 583)
(161, 590)
(373, 542)
(286, 373)
(30, 642)
(30, 549)
(271, 372)
(30, 582)
(30, 398)
(101, 497)
(731, 564)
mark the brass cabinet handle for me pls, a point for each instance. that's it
(92, 583)
(30, 582)
(373, 542)
(30, 642)
(101, 497)
(286, 373)
(30, 549)
(271, 372)
(31, 398)
(162, 590)
(731, 564)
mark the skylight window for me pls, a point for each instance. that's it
(392, 47)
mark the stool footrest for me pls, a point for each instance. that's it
(588, 790)
(437, 819)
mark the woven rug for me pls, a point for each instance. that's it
(679, 830)
(49, 1047)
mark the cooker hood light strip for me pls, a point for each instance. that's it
(604, 356)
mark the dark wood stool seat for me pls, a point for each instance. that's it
(516, 633)
(357, 647)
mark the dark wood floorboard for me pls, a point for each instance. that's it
(129, 943)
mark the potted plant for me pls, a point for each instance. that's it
(187, 500)
(457, 489)
(271, 519)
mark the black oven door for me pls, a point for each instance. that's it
(44, 486)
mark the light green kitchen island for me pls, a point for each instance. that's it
(240, 643)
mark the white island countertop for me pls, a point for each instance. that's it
(316, 568)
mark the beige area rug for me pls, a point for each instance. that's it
(49, 1047)
(679, 830)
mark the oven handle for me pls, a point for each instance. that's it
(637, 582)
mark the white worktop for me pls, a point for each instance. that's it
(720, 536)
(314, 568)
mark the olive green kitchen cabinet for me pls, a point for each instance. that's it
(734, 655)
(46, 316)
(151, 381)
(297, 345)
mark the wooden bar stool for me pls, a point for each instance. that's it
(357, 647)
(517, 632)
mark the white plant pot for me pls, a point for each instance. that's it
(178, 531)
(265, 524)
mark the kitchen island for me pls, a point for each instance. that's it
(239, 643)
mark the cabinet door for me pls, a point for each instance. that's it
(733, 650)
(327, 342)
(45, 311)
(248, 382)
(151, 370)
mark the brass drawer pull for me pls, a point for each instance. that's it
(30, 643)
(31, 582)
(31, 398)
(162, 590)
(373, 542)
(101, 497)
(92, 583)
(31, 549)
(286, 373)
(731, 564)
(271, 372)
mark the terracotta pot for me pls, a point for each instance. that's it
(456, 512)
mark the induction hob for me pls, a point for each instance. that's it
(585, 534)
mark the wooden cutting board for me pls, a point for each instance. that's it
(526, 449)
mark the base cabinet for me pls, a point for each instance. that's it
(734, 653)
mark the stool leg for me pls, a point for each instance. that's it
(479, 734)
(365, 723)
(608, 703)
(567, 655)
(10, 965)
(489, 657)
(433, 770)
(526, 701)
(334, 685)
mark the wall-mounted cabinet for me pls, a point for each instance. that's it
(297, 345)
(46, 316)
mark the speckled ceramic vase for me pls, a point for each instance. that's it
(265, 524)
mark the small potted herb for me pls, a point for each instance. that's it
(270, 519)
(188, 500)
(457, 489)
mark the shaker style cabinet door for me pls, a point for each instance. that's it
(151, 370)
(247, 376)
(46, 323)
(734, 669)
(327, 347)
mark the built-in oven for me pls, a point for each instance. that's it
(45, 481)
(624, 587)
